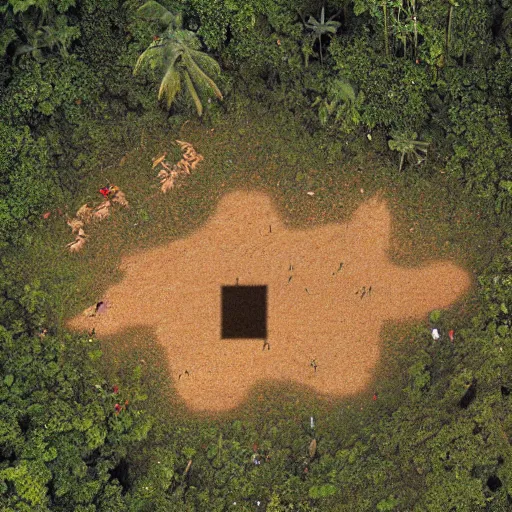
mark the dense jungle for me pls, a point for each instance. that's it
(412, 97)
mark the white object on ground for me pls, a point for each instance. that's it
(312, 420)
(435, 334)
(310, 193)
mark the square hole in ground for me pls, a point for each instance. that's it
(244, 312)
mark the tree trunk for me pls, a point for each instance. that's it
(449, 30)
(386, 42)
(402, 156)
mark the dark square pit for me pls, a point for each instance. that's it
(244, 312)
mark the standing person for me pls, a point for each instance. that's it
(266, 344)
(314, 364)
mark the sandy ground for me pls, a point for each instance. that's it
(175, 290)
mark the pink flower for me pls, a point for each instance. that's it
(115, 389)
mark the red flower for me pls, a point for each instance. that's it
(375, 396)
(46, 215)
(115, 389)
(105, 191)
(117, 407)
(450, 334)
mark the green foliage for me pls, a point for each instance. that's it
(394, 94)
(407, 145)
(177, 53)
(59, 36)
(6, 38)
(322, 491)
(153, 11)
(387, 505)
(60, 435)
(321, 28)
(435, 315)
(27, 180)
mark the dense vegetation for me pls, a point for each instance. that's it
(422, 87)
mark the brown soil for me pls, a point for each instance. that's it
(175, 289)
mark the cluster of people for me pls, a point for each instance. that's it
(86, 214)
(169, 174)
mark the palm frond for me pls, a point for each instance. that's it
(331, 27)
(312, 23)
(341, 89)
(193, 93)
(170, 85)
(184, 37)
(208, 64)
(153, 11)
(199, 75)
(149, 55)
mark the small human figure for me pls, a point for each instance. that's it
(314, 364)
(266, 344)
(370, 290)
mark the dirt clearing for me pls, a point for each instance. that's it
(329, 291)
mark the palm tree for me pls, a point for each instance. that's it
(408, 145)
(176, 52)
(319, 28)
